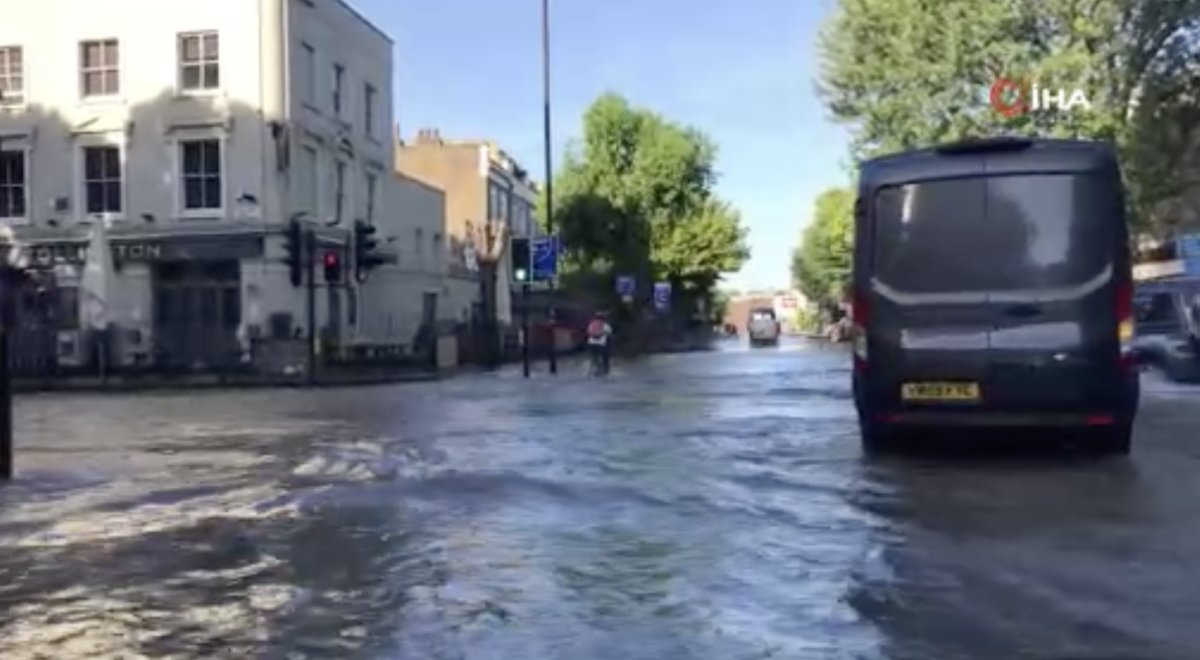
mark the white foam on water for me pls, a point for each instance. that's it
(253, 503)
(365, 460)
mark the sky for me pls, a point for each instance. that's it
(472, 69)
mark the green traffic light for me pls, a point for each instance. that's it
(520, 274)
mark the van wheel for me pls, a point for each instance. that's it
(1117, 440)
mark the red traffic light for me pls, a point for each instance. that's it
(331, 260)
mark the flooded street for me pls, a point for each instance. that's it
(698, 506)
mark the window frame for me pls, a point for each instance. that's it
(7, 74)
(84, 70)
(337, 90)
(26, 158)
(314, 195)
(181, 180)
(108, 141)
(341, 182)
(201, 63)
(371, 194)
(370, 98)
(308, 57)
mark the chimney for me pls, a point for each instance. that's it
(429, 136)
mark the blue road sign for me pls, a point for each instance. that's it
(1188, 248)
(662, 295)
(545, 258)
(625, 285)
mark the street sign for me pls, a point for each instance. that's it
(1188, 248)
(545, 258)
(626, 286)
(662, 295)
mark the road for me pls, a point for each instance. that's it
(694, 506)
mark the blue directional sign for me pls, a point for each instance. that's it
(626, 286)
(545, 257)
(1188, 248)
(662, 295)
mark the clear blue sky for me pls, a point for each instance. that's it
(740, 70)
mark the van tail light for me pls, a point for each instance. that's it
(1125, 328)
(860, 311)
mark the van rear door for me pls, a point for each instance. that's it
(1002, 282)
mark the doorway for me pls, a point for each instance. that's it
(197, 311)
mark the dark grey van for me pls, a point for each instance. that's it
(992, 286)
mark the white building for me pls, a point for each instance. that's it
(199, 129)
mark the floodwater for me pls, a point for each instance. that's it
(696, 506)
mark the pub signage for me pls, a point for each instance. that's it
(124, 251)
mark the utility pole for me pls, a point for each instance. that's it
(524, 326)
(7, 301)
(549, 175)
(310, 264)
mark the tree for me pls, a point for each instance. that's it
(908, 73)
(821, 263)
(636, 196)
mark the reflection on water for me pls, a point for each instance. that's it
(704, 506)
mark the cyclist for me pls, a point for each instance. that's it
(599, 339)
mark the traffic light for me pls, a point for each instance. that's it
(333, 267)
(521, 259)
(364, 250)
(294, 244)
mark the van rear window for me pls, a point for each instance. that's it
(998, 233)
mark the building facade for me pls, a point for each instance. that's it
(418, 289)
(489, 197)
(197, 132)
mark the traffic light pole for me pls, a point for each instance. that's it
(525, 327)
(310, 264)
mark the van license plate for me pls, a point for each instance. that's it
(939, 391)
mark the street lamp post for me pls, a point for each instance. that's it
(549, 182)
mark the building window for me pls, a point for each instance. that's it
(99, 66)
(199, 61)
(12, 75)
(308, 178)
(372, 186)
(504, 207)
(12, 184)
(493, 202)
(420, 238)
(308, 73)
(369, 95)
(339, 190)
(339, 81)
(102, 179)
(201, 174)
(520, 217)
(67, 307)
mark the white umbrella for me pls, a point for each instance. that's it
(97, 276)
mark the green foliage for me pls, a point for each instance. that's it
(821, 264)
(909, 73)
(808, 319)
(636, 196)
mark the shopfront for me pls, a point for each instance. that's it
(174, 302)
